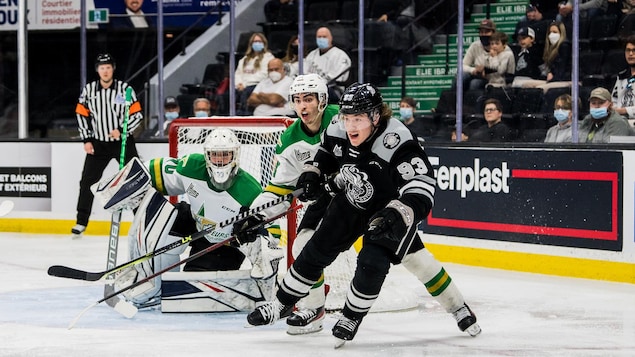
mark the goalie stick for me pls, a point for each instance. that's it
(6, 207)
(115, 223)
(183, 261)
(71, 273)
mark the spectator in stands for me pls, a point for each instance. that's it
(281, 11)
(561, 132)
(402, 13)
(475, 57)
(499, 64)
(628, 6)
(330, 62)
(527, 58)
(202, 108)
(251, 69)
(291, 58)
(588, 8)
(556, 67)
(495, 130)
(407, 108)
(536, 20)
(270, 97)
(602, 122)
(623, 97)
(399, 12)
(171, 111)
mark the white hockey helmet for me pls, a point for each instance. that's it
(222, 152)
(310, 83)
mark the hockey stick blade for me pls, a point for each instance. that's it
(6, 207)
(179, 263)
(71, 273)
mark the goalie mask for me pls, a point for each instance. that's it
(221, 151)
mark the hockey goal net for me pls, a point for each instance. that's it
(258, 137)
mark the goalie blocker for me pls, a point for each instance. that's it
(213, 291)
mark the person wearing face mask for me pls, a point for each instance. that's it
(270, 95)
(476, 57)
(329, 62)
(556, 67)
(407, 108)
(290, 59)
(171, 112)
(602, 122)
(561, 132)
(202, 108)
(251, 69)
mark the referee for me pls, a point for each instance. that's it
(100, 114)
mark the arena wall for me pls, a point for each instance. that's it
(558, 211)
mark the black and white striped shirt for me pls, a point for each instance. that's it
(101, 110)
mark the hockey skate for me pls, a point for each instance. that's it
(152, 303)
(305, 321)
(466, 320)
(269, 313)
(78, 231)
(345, 330)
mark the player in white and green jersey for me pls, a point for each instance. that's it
(298, 144)
(216, 189)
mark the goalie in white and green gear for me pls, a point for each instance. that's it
(216, 189)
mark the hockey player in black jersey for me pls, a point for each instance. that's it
(383, 184)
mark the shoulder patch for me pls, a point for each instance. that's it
(391, 140)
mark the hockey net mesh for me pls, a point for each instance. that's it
(258, 138)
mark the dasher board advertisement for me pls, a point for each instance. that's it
(559, 198)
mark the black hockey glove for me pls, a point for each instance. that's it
(246, 230)
(310, 181)
(386, 224)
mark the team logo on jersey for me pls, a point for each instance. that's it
(337, 150)
(391, 140)
(191, 191)
(302, 155)
(358, 190)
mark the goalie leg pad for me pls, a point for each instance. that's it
(264, 255)
(125, 189)
(149, 231)
(437, 281)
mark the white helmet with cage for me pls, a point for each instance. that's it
(310, 83)
(222, 152)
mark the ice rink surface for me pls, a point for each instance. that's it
(521, 315)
